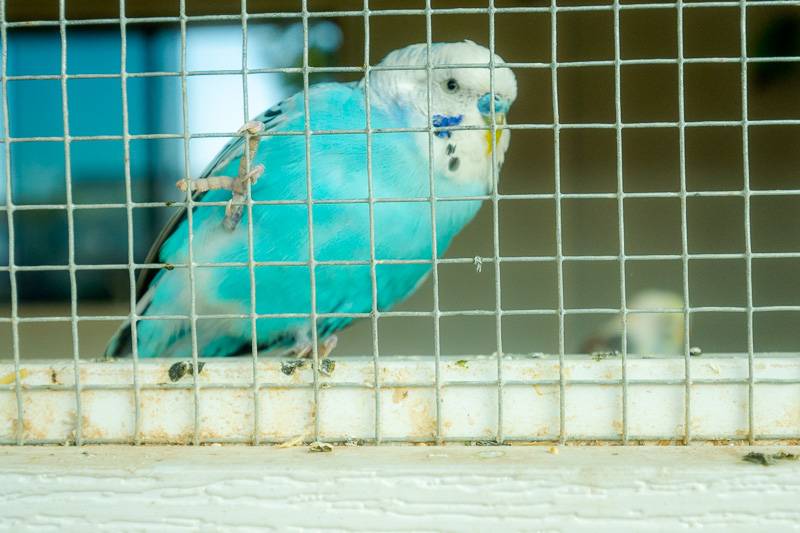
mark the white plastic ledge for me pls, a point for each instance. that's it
(284, 408)
(397, 488)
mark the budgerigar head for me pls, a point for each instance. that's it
(459, 96)
(451, 88)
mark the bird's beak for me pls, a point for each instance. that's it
(501, 106)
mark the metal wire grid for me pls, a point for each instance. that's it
(494, 197)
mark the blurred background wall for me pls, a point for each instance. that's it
(650, 160)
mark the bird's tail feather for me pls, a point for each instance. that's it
(121, 343)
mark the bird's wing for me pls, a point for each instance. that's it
(272, 119)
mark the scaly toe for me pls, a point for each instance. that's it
(328, 345)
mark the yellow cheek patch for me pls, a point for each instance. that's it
(499, 120)
(497, 135)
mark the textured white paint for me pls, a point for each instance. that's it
(400, 488)
(593, 407)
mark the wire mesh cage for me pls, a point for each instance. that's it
(632, 278)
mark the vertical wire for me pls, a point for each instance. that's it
(310, 205)
(559, 244)
(621, 218)
(250, 237)
(126, 147)
(73, 285)
(751, 432)
(687, 438)
(371, 200)
(20, 427)
(190, 235)
(498, 308)
(437, 347)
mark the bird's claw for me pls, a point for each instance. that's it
(252, 127)
(238, 185)
(306, 349)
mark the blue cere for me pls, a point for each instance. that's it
(500, 105)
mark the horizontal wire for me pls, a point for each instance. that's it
(653, 440)
(414, 199)
(378, 131)
(377, 68)
(416, 314)
(451, 260)
(419, 199)
(401, 12)
(488, 384)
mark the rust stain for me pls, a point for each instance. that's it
(9, 378)
(424, 423)
(162, 437)
(291, 443)
(89, 431)
(789, 418)
(538, 390)
(399, 395)
(397, 375)
(532, 373)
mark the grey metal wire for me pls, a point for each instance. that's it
(73, 284)
(188, 386)
(562, 406)
(374, 312)
(251, 266)
(14, 297)
(312, 263)
(442, 66)
(126, 147)
(450, 260)
(437, 341)
(423, 314)
(623, 301)
(530, 126)
(559, 258)
(421, 12)
(751, 431)
(687, 397)
(498, 304)
(193, 316)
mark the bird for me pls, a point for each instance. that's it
(648, 333)
(445, 86)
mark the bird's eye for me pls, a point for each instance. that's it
(452, 85)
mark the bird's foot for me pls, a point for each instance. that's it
(328, 345)
(306, 349)
(237, 185)
(252, 127)
(247, 175)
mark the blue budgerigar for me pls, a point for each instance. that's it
(401, 168)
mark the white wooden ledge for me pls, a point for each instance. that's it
(284, 408)
(397, 488)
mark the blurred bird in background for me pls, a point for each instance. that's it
(462, 165)
(648, 333)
